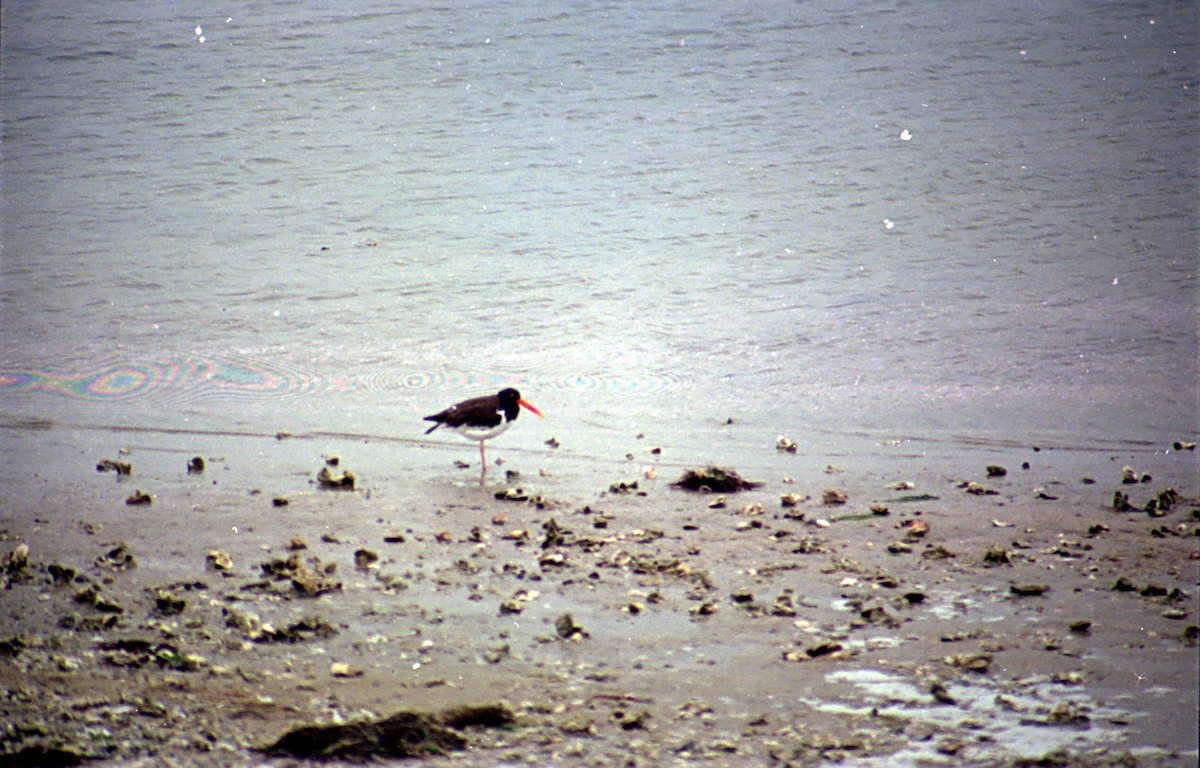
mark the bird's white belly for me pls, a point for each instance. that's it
(481, 433)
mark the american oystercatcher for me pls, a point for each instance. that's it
(482, 418)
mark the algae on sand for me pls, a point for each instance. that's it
(404, 734)
(714, 478)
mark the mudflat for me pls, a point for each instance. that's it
(1031, 611)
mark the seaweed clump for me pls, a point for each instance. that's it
(404, 734)
(715, 479)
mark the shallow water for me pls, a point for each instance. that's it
(850, 226)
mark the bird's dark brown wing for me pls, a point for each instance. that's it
(477, 412)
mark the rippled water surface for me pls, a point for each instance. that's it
(895, 219)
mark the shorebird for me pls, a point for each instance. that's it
(482, 418)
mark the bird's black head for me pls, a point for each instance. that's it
(511, 403)
(508, 396)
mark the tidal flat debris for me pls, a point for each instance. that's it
(61, 574)
(219, 561)
(707, 608)
(783, 605)
(1130, 476)
(1162, 503)
(941, 694)
(139, 498)
(1029, 590)
(976, 489)
(556, 535)
(995, 470)
(304, 581)
(365, 559)
(623, 487)
(339, 482)
(119, 558)
(1123, 584)
(13, 566)
(996, 556)
(815, 650)
(833, 497)
(135, 653)
(478, 715)
(512, 494)
(1064, 713)
(91, 595)
(402, 735)
(307, 628)
(518, 601)
(122, 468)
(971, 662)
(566, 628)
(937, 552)
(782, 443)
(168, 603)
(714, 479)
(913, 529)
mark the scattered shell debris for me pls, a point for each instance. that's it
(927, 627)
(139, 498)
(343, 481)
(834, 496)
(122, 468)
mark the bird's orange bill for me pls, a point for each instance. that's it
(525, 403)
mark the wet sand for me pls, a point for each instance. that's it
(1018, 619)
